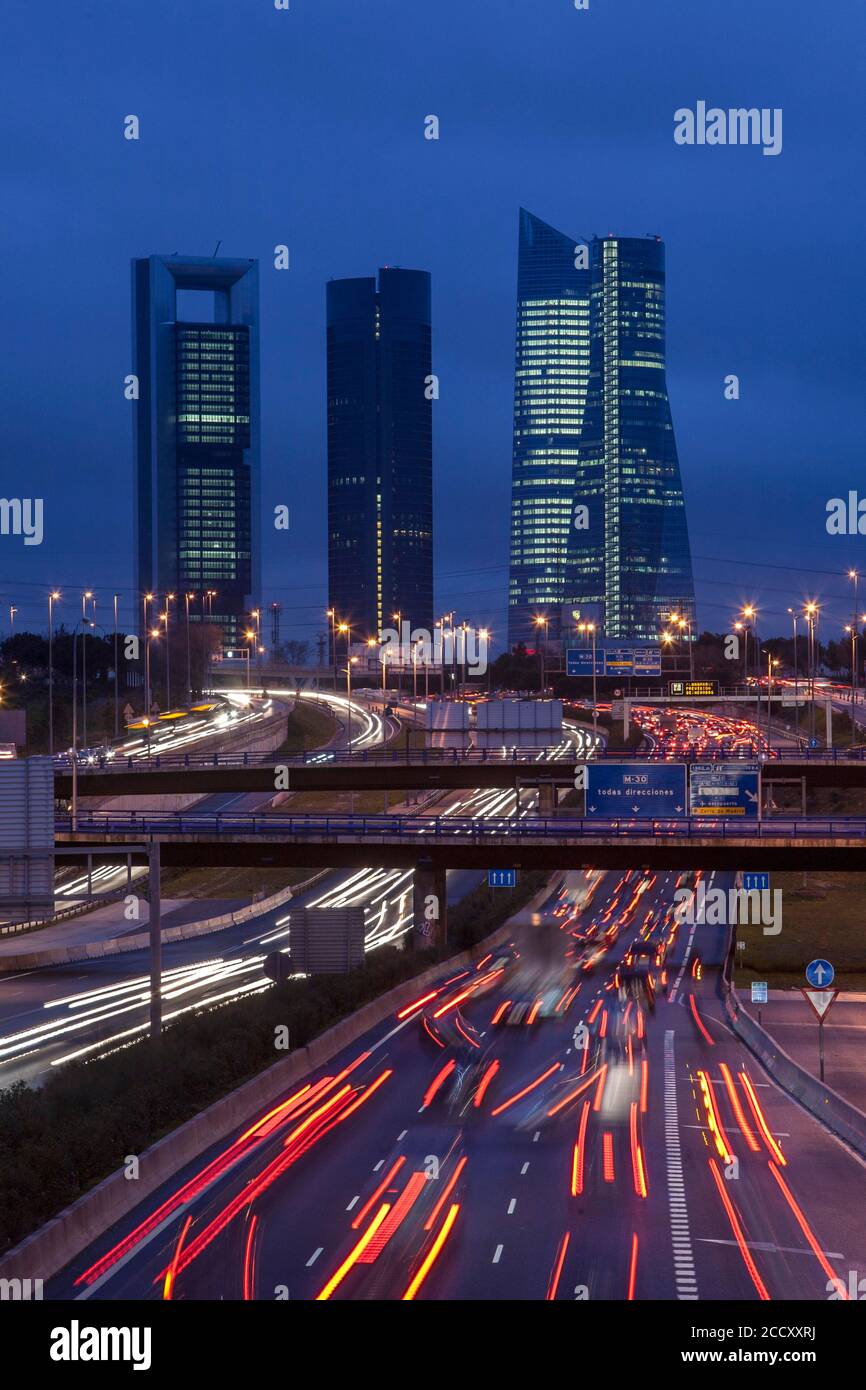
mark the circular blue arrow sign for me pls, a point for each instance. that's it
(820, 974)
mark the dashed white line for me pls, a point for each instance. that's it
(354, 1202)
(511, 1205)
(497, 1254)
(684, 1260)
(315, 1255)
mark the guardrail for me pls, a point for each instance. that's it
(455, 827)
(422, 757)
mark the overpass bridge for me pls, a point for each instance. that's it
(562, 841)
(415, 770)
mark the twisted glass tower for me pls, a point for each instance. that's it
(597, 514)
(628, 443)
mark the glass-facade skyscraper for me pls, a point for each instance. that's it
(380, 450)
(197, 434)
(550, 380)
(628, 441)
(598, 520)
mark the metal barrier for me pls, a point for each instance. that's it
(455, 827)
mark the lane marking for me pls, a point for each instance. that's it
(684, 1260)
(511, 1205)
(354, 1202)
(497, 1254)
(315, 1255)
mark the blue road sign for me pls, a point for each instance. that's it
(759, 992)
(724, 791)
(820, 974)
(614, 661)
(578, 662)
(759, 882)
(501, 878)
(653, 791)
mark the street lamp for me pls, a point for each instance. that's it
(796, 666)
(811, 613)
(415, 646)
(750, 613)
(87, 595)
(53, 597)
(167, 616)
(484, 637)
(542, 621)
(854, 577)
(186, 599)
(348, 670)
(151, 635)
(145, 600)
(771, 662)
(332, 623)
(251, 637)
(116, 673)
(591, 628)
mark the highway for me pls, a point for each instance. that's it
(657, 1162)
(53, 1015)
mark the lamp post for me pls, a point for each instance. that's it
(116, 674)
(484, 638)
(332, 623)
(52, 599)
(153, 634)
(348, 669)
(168, 603)
(86, 622)
(591, 630)
(12, 611)
(771, 662)
(415, 645)
(854, 577)
(84, 599)
(251, 637)
(542, 621)
(145, 600)
(186, 599)
(811, 613)
(796, 666)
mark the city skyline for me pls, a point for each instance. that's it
(796, 424)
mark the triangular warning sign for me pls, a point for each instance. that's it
(821, 1000)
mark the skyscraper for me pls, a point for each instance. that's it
(627, 443)
(550, 379)
(380, 450)
(597, 518)
(197, 432)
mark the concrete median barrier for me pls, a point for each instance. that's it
(12, 962)
(834, 1112)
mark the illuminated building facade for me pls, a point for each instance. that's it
(628, 442)
(380, 450)
(598, 520)
(550, 382)
(197, 433)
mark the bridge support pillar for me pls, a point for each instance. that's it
(546, 799)
(429, 905)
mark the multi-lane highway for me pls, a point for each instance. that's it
(53, 1015)
(473, 1147)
